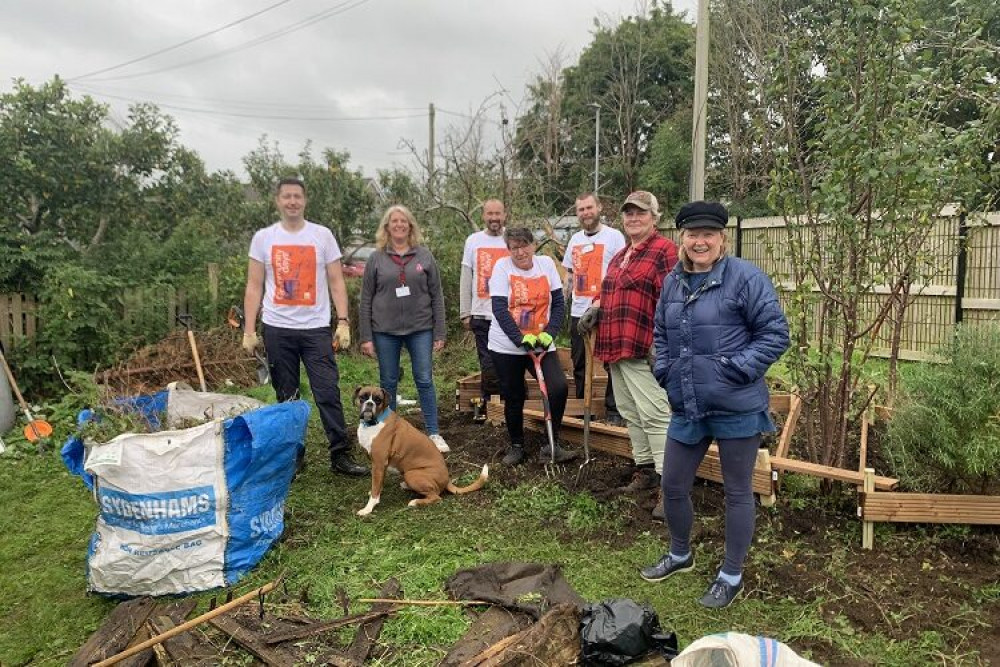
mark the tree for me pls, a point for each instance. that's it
(338, 196)
(639, 72)
(866, 155)
(72, 182)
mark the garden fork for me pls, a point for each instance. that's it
(588, 384)
(551, 468)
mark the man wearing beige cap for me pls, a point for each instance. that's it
(624, 322)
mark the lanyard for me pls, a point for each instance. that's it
(401, 263)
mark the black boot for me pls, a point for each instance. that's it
(344, 463)
(514, 455)
(561, 455)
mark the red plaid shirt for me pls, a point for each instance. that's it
(629, 294)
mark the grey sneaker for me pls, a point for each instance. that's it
(665, 567)
(720, 594)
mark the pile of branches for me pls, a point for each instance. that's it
(153, 367)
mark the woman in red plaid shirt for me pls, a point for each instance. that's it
(624, 321)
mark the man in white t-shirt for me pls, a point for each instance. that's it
(295, 268)
(482, 251)
(588, 254)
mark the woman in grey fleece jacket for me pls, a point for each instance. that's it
(402, 304)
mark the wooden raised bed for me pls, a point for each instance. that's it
(875, 505)
(615, 440)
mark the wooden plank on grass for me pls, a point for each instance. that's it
(116, 632)
(369, 632)
(930, 508)
(172, 612)
(829, 472)
(274, 656)
(187, 648)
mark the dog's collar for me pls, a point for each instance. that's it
(379, 419)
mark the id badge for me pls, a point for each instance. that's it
(587, 248)
(402, 291)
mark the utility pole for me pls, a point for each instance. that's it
(700, 125)
(597, 146)
(430, 145)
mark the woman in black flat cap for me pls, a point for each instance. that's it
(718, 328)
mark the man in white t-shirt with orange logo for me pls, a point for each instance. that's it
(294, 269)
(588, 254)
(483, 250)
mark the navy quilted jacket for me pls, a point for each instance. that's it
(714, 346)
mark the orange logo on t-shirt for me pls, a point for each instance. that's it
(587, 269)
(529, 303)
(294, 275)
(486, 259)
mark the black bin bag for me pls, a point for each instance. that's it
(618, 631)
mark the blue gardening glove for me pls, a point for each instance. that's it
(545, 339)
(529, 342)
(588, 321)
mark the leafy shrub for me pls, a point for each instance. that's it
(945, 433)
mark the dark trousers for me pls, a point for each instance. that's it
(314, 349)
(680, 462)
(578, 352)
(488, 384)
(510, 372)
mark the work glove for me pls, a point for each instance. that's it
(249, 341)
(529, 342)
(545, 339)
(589, 320)
(342, 336)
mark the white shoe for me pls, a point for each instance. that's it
(439, 442)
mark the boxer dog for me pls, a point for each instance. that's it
(392, 442)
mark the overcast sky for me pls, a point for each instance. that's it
(299, 68)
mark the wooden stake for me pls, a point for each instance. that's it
(184, 627)
(427, 603)
(867, 527)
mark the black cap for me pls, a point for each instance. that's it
(698, 214)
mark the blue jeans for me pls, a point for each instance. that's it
(420, 345)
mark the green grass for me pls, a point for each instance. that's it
(45, 613)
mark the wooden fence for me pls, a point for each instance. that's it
(19, 316)
(962, 255)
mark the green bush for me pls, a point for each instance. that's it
(945, 432)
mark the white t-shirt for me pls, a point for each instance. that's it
(481, 254)
(588, 258)
(296, 295)
(529, 298)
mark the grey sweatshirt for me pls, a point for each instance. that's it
(383, 311)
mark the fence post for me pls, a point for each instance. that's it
(213, 288)
(739, 236)
(962, 264)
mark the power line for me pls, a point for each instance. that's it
(96, 89)
(180, 44)
(216, 112)
(263, 39)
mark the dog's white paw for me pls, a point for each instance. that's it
(412, 503)
(404, 486)
(367, 509)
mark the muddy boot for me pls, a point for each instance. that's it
(658, 507)
(514, 455)
(643, 479)
(562, 455)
